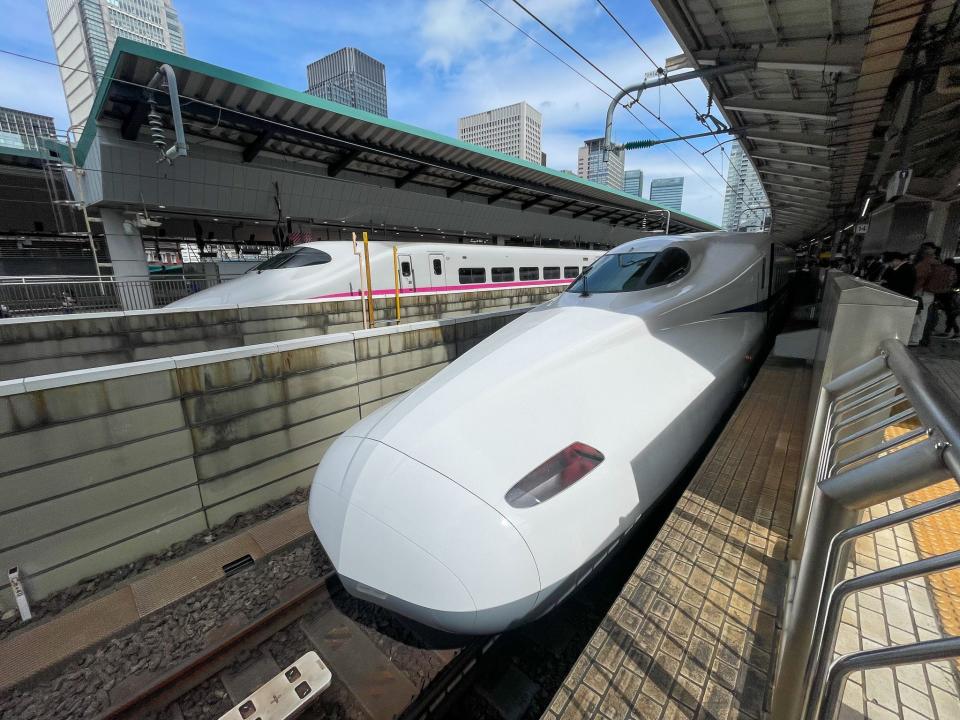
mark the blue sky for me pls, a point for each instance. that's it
(444, 58)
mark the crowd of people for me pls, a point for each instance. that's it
(926, 278)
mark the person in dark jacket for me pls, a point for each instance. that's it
(900, 275)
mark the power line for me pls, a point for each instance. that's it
(609, 95)
(622, 89)
(45, 62)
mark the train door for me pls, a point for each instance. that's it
(436, 269)
(407, 281)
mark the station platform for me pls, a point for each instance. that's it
(694, 632)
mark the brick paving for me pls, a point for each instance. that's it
(692, 633)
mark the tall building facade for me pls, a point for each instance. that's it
(84, 33)
(667, 192)
(513, 130)
(591, 164)
(350, 77)
(633, 182)
(23, 130)
(744, 191)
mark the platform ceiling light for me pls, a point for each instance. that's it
(866, 206)
(162, 207)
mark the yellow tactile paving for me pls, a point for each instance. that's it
(937, 534)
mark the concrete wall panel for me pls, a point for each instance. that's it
(101, 466)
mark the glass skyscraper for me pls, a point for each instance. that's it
(667, 192)
(350, 77)
(744, 191)
(633, 182)
(84, 32)
(23, 130)
(592, 166)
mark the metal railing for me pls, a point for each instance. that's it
(24, 298)
(886, 428)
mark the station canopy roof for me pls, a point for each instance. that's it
(842, 94)
(259, 116)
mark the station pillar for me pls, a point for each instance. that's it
(130, 270)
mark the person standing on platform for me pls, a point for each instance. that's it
(900, 275)
(926, 260)
(943, 276)
(951, 306)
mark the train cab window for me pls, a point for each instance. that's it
(501, 274)
(551, 273)
(437, 267)
(473, 275)
(672, 264)
(529, 273)
(571, 272)
(296, 258)
(615, 272)
(405, 268)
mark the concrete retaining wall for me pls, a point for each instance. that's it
(101, 466)
(52, 344)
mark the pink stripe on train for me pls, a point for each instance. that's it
(451, 288)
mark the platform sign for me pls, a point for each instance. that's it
(16, 585)
(861, 228)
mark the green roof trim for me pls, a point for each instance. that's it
(21, 152)
(125, 45)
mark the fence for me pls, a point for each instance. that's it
(25, 298)
(882, 427)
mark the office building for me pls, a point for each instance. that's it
(743, 191)
(350, 77)
(23, 130)
(667, 192)
(591, 164)
(84, 32)
(633, 182)
(513, 130)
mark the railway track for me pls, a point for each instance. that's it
(383, 666)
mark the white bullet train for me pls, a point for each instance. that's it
(332, 270)
(483, 497)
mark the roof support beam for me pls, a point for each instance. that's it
(460, 186)
(805, 109)
(499, 196)
(338, 165)
(795, 174)
(253, 149)
(526, 205)
(812, 55)
(584, 211)
(134, 120)
(411, 174)
(554, 211)
(794, 187)
(794, 159)
(793, 139)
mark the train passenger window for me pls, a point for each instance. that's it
(405, 268)
(571, 272)
(295, 258)
(529, 273)
(473, 275)
(501, 274)
(437, 267)
(551, 273)
(615, 272)
(672, 264)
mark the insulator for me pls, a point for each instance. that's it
(156, 128)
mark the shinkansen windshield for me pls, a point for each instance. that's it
(295, 258)
(630, 271)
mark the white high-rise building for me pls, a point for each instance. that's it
(84, 32)
(513, 130)
(744, 191)
(592, 166)
(350, 77)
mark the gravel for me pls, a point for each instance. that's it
(81, 687)
(105, 581)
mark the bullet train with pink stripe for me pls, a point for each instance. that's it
(332, 270)
(480, 499)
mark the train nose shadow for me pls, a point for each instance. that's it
(391, 624)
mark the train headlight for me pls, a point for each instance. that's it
(554, 475)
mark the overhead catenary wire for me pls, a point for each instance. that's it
(579, 54)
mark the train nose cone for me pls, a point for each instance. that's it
(406, 537)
